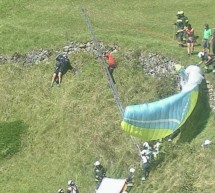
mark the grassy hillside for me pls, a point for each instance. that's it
(48, 135)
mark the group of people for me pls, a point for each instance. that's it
(148, 155)
(185, 34)
(63, 64)
(100, 173)
(72, 188)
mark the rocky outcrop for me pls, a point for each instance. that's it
(153, 64)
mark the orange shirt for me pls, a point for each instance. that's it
(110, 58)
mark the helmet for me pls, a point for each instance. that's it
(200, 54)
(70, 183)
(132, 170)
(60, 191)
(97, 163)
(180, 13)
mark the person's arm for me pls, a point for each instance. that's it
(208, 60)
(200, 62)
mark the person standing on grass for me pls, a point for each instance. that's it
(206, 38)
(72, 187)
(99, 173)
(145, 166)
(130, 180)
(213, 41)
(180, 24)
(189, 32)
(111, 64)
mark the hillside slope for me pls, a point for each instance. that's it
(62, 131)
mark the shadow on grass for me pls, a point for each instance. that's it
(199, 117)
(10, 137)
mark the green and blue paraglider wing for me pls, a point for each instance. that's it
(151, 121)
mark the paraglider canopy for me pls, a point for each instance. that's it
(157, 120)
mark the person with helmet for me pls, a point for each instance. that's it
(72, 187)
(207, 60)
(147, 149)
(130, 180)
(99, 173)
(145, 166)
(207, 35)
(180, 24)
(60, 190)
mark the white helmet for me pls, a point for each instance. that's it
(200, 54)
(97, 163)
(60, 191)
(132, 170)
(180, 13)
(70, 182)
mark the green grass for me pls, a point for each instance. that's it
(10, 137)
(58, 133)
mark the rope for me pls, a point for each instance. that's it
(103, 64)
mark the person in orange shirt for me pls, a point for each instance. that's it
(111, 64)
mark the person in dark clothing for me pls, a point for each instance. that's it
(62, 65)
(145, 166)
(180, 24)
(72, 187)
(207, 60)
(213, 41)
(130, 180)
(99, 173)
(111, 65)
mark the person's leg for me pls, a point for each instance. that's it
(203, 45)
(208, 46)
(213, 47)
(143, 172)
(59, 78)
(188, 48)
(192, 47)
(111, 74)
(53, 79)
(128, 189)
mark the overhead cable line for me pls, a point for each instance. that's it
(103, 64)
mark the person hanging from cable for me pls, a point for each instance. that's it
(111, 64)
